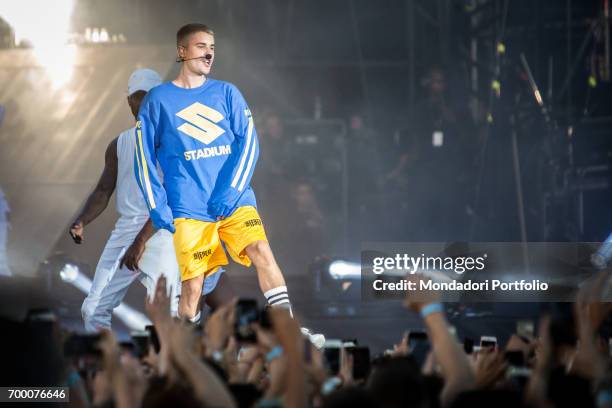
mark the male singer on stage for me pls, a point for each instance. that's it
(201, 131)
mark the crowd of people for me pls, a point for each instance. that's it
(206, 366)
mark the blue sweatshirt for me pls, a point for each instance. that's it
(206, 145)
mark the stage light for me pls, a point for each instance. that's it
(104, 37)
(95, 35)
(603, 255)
(58, 62)
(48, 40)
(69, 273)
(344, 270)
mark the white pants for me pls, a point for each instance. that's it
(111, 282)
(4, 267)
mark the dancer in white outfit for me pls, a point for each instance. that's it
(4, 227)
(135, 250)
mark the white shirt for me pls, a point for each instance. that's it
(132, 209)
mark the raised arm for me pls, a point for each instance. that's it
(458, 375)
(145, 161)
(456, 369)
(99, 198)
(235, 176)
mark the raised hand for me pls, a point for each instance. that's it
(490, 368)
(110, 350)
(265, 339)
(416, 299)
(402, 348)
(220, 327)
(76, 231)
(158, 308)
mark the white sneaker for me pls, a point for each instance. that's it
(317, 339)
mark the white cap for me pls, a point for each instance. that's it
(143, 80)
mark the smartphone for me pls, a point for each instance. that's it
(468, 345)
(247, 313)
(515, 358)
(361, 361)
(141, 341)
(418, 345)
(153, 338)
(417, 338)
(82, 345)
(331, 355)
(488, 341)
(128, 347)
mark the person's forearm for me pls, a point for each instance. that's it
(206, 384)
(95, 205)
(122, 391)
(146, 232)
(117, 378)
(277, 369)
(255, 371)
(456, 369)
(535, 393)
(296, 381)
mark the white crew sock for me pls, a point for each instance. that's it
(278, 297)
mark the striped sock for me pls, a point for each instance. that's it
(278, 297)
(196, 319)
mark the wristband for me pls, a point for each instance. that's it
(269, 403)
(604, 398)
(276, 352)
(431, 308)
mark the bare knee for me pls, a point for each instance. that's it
(191, 290)
(260, 254)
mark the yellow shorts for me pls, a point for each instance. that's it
(198, 243)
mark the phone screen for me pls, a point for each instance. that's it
(488, 343)
(246, 314)
(141, 344)
(515, 358)
(332, 359)
(468, 345)
(416, 338)
(419, 346)
(361, 361)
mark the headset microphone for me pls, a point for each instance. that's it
(207, 57)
